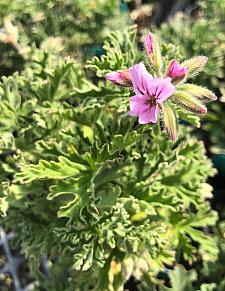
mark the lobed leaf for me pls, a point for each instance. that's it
(50, 170)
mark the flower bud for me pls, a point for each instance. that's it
(195, 65)
(190, 102)
(170, 120)
(198, 91)
(176, 72)
(121, 78)
(153, 51)
(148, 44)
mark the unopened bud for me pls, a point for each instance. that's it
(121, 78)
(176, 72)
(190, 102)
(195, 65)
(153, 50)
(148, 44)
(170, 120)
(198, 91)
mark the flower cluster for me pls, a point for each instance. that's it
(156, 93)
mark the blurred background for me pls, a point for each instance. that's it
(77, 28)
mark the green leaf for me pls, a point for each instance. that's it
(188, 117)
(208, 287)
(181, 280)
(120, 52)
(52, 89)
(120, 142)
(50, 170)
(63, 187)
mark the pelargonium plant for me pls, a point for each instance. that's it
(106, 200)
(157, 92)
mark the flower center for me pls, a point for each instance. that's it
(152, 100)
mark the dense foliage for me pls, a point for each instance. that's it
(82, 179)
(75, 27)
(106, 200)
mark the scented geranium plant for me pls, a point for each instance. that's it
(104, 196)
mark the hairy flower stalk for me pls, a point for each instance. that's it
(157, 94)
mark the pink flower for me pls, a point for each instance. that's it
(121, 78)
(150, 92)
(176, 71)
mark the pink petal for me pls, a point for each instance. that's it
(140, 78)
(137, 105)
(164, 89)
(149, 115)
